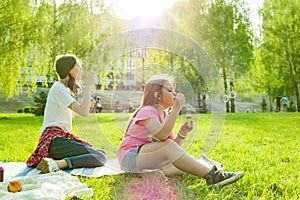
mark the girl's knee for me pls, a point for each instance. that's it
(171, 142)
(171, 147)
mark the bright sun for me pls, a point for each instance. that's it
(144, 9)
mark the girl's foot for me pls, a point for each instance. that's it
(215, 178)
(47, 165)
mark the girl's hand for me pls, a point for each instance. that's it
(179, 101)
(185, 128)
(90, 78)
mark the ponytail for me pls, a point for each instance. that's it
(73, 86)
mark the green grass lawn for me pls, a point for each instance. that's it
(264, 145)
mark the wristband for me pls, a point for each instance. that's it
(182, 133)
(181, 136)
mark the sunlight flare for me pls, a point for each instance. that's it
(144, 9)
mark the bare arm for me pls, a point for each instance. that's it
(84, 107)
(168, 126)
(170, 121)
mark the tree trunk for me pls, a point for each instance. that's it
(204, 103)
(294, 80)
(226, 90)
(199, 101)
(232, 97)
(297, 96)
(232, 105)
(270, 100)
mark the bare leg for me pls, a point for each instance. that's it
(169, 156)
(49, 165)
(171, 170)
(62, 164)
(159, 154)
(190, 165)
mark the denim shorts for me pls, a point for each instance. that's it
(129, 163)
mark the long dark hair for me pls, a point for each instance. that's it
(63, 65)
(73, 85)
(154, 84)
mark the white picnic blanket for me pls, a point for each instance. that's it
(52, 186)
(61, 184)
(15, 169)
(57, 185)
(12, 169)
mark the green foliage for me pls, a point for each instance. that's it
(262, 76)
(264, 105)
(223, 30)
(14, 36)
(39, 31)
(20, 110)
(27, 109)
(252, 142)
(280, 56)
(40, 104)
(292, 106)
(246, 97)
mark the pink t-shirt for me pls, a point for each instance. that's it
(136, 134)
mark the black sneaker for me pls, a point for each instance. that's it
(215, 178)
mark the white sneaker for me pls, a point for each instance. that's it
(209, 163)
(47, 165)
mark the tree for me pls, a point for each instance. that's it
(40, 104)
(264, 78)
(223, 29)
(33, 36)
(15, 22)
(280, 35)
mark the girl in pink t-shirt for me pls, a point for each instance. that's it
(149, 142)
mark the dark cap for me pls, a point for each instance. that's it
(64, 64)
